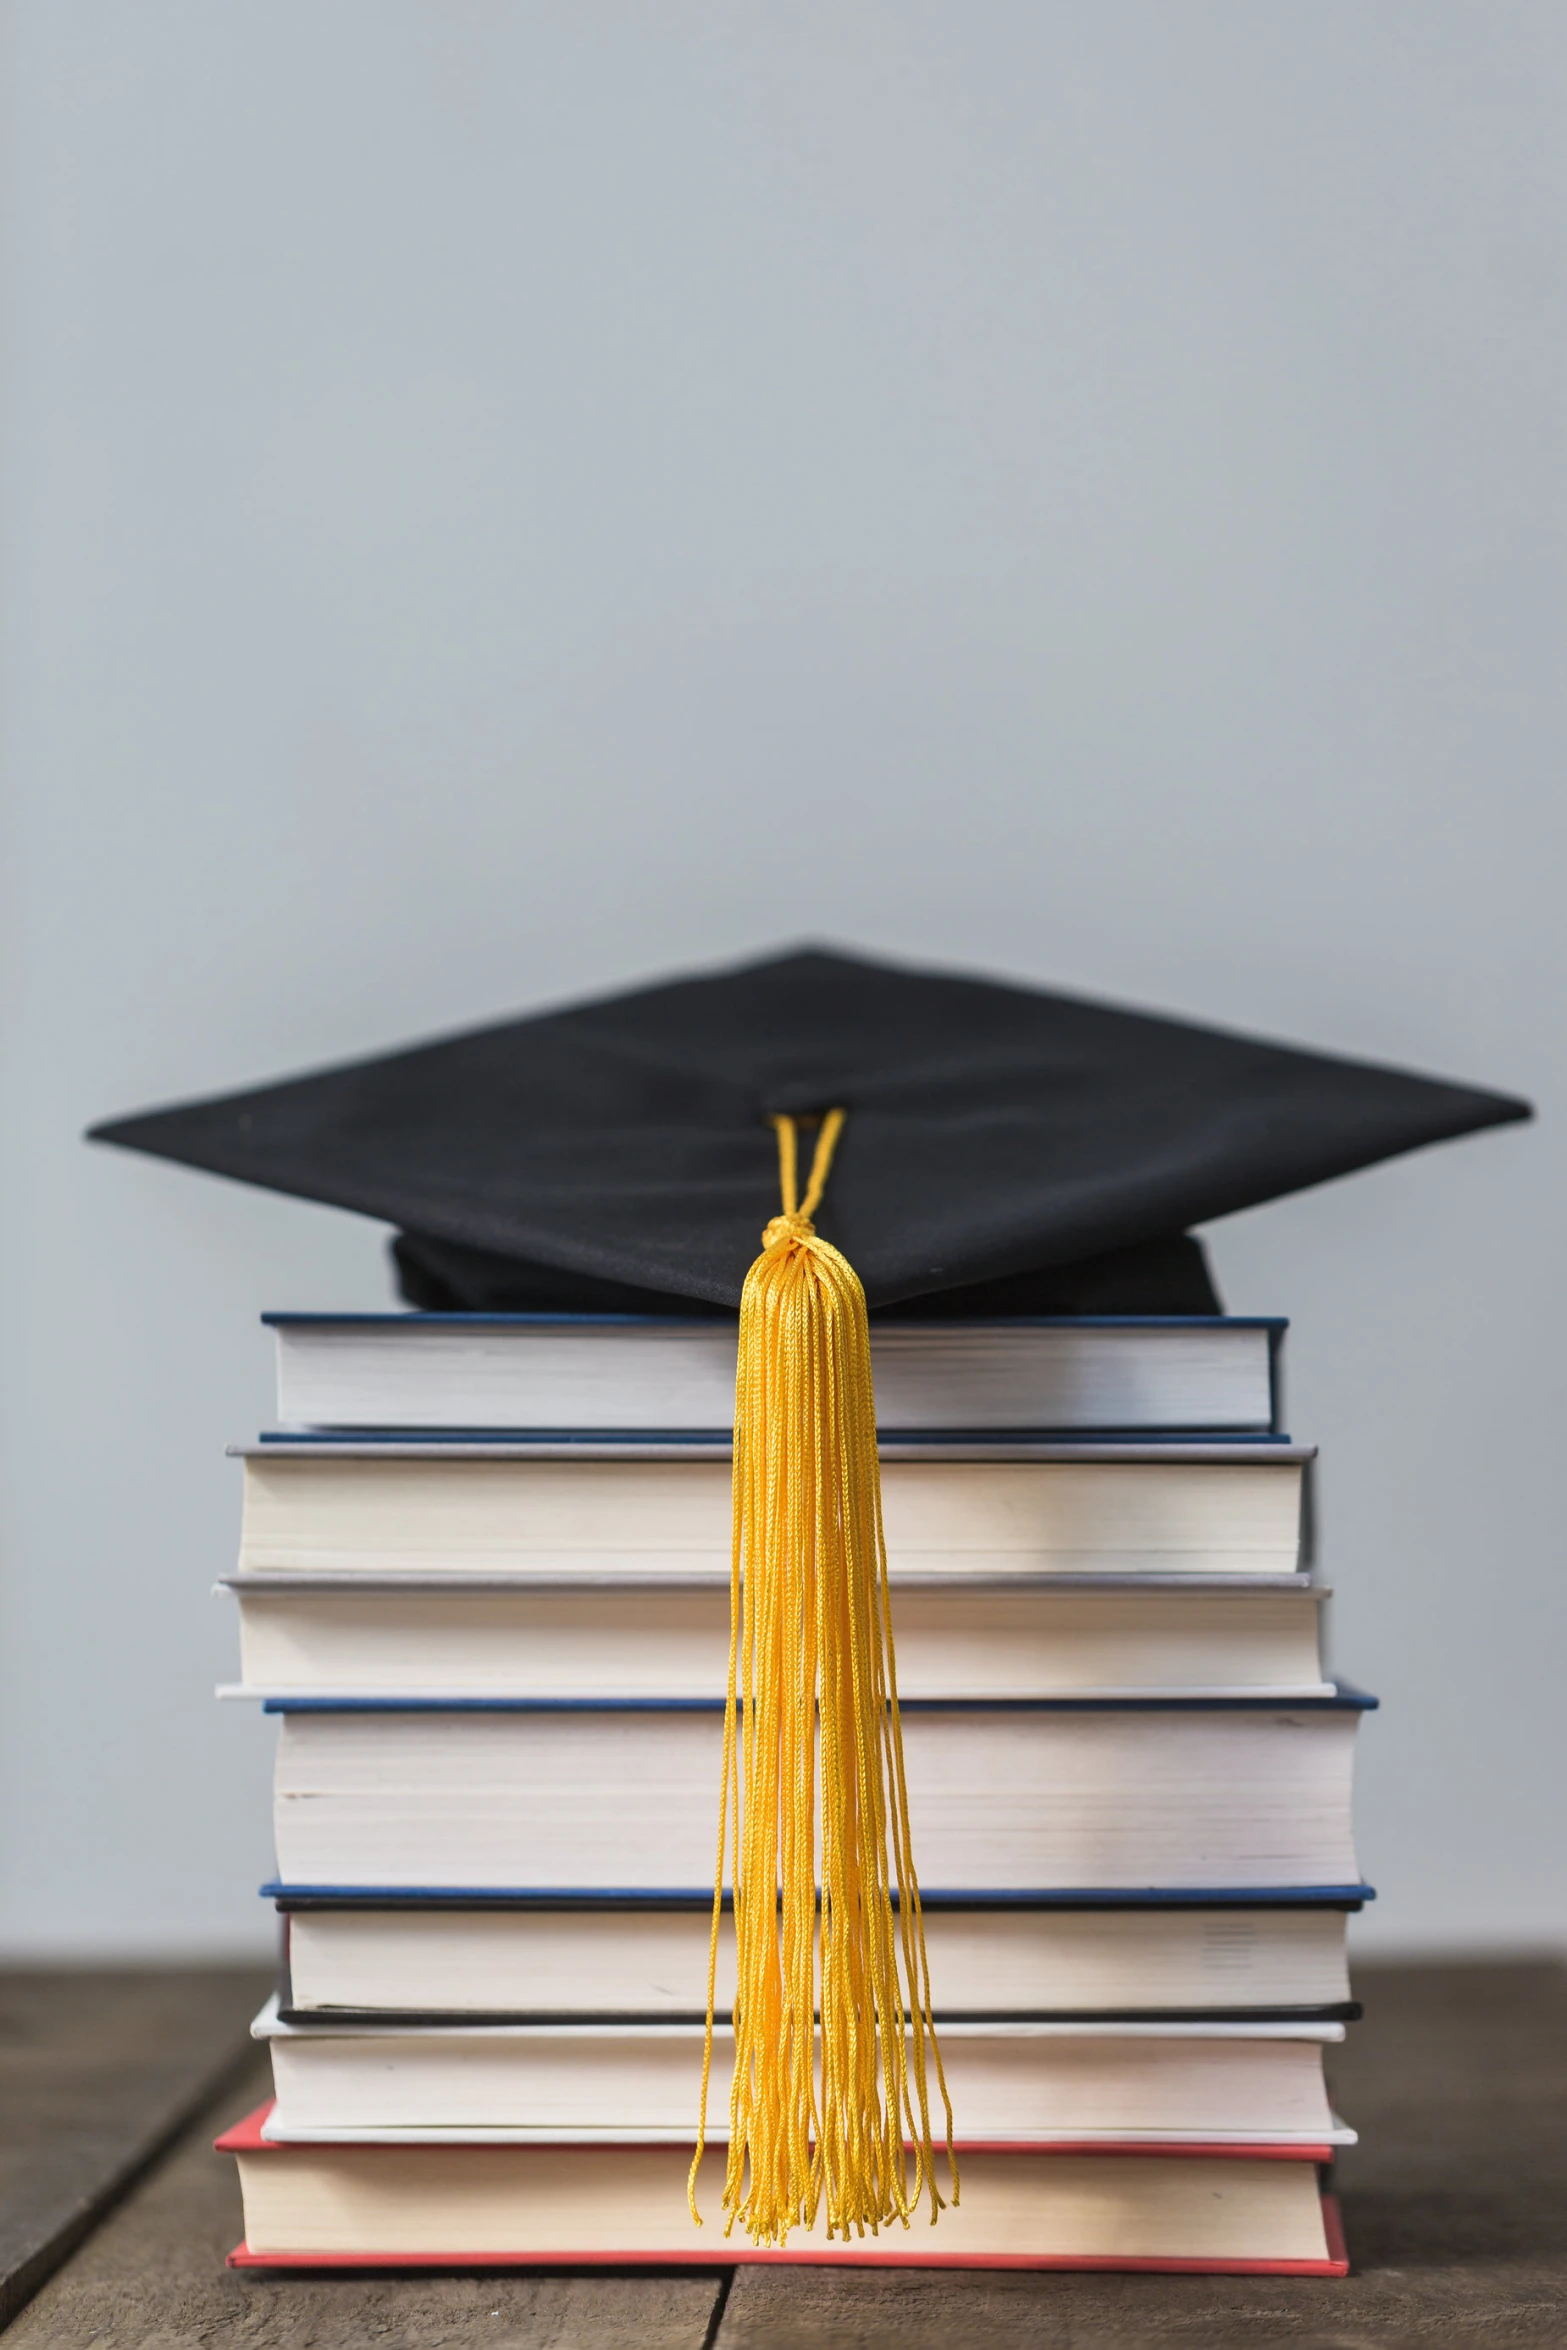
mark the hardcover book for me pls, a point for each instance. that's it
(1194, 2209)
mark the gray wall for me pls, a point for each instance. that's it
(500, 499)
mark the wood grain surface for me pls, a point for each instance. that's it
(98, 2071)
(1455, 2206)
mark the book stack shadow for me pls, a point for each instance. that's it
(484, 1585)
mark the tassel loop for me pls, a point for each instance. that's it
(813, 1810)
(795, 1225)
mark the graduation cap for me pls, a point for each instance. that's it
(990, 1149)
(1006, 1150)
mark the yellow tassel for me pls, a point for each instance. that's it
(813, 1694)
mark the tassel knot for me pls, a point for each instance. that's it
(787, 1231)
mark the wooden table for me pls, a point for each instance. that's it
(1455, 2206)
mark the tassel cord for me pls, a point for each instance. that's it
(812, 1701)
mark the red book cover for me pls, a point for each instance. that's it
(245, 2138)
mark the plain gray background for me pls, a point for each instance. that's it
(503, 498)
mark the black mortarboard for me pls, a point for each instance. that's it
(1006, 1150)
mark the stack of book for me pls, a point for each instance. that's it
(484, 1584)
